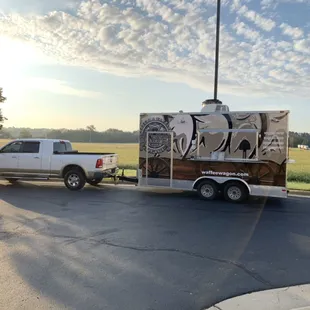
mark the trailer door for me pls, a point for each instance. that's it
(158, 167)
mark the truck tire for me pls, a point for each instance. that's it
(208, 190)
(235, 192)
(94, 182)
(74, 179)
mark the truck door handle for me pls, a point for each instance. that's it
(14, 156)
(37, 157)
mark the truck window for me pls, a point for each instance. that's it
(61, 147)
(14, 147)
(31, 147)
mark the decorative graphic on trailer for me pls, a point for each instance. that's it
(255, 138)
(158, 143)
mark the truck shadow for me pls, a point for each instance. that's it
(113, 248)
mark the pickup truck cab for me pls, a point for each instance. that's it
(45, 159)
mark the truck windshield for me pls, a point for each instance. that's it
(60, 147)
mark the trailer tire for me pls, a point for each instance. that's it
(208, 190)
(235, 192)
(74, 179)
(95, 182)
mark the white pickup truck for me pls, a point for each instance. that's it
(44, 159)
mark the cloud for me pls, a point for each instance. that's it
(303, 46)
(59, 87)
(265, 24)
(172, 41)
(293, 32)
(242, 29)
(267, 4)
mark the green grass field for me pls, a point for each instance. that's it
(298, 173)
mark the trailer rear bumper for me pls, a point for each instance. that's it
(268, 191)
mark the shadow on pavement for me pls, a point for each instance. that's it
(114, 248)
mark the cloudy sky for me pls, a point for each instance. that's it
(70, 63)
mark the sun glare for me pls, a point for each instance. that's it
(15, 57)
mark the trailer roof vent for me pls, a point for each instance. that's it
(212, 105)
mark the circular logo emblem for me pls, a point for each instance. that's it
(159, 140)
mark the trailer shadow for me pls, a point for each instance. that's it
(113, 248)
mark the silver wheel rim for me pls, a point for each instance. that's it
(234, 193)
(73, 180)
(207, 190)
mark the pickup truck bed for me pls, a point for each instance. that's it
(48, 158)
(81, 153)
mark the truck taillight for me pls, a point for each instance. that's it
(99, 163)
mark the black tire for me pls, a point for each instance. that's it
(94, 182)
(208, 190)
(235, 192)
(74, 179)
(12, 180)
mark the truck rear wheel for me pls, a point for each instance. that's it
(235, 192)
(94, 182)
(208, 190)
(74, 180)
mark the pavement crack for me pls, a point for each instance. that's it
(4, 235)
(251, 273)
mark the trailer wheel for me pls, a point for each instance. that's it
(208, 190)
(235, 192)
(94, 182)
(74, 179)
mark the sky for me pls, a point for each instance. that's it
(71, 63)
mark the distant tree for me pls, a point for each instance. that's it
(2, 99)
(91, 129)
(4, 134)
(25, 134)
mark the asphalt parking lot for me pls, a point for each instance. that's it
(122, 248)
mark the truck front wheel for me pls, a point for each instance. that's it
(94, 182)
(74, 180)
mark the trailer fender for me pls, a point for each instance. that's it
(221, 180)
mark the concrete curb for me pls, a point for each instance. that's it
(287, 298)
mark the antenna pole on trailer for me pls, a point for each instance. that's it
(217, 48)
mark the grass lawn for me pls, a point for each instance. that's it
(299, 186)
(298, 173)
(302, 158)
(128, 153)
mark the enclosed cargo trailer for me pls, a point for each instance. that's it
(215, 151)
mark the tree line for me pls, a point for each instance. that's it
(297, 138)
(90, 134)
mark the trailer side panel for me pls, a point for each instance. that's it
(185, 147)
